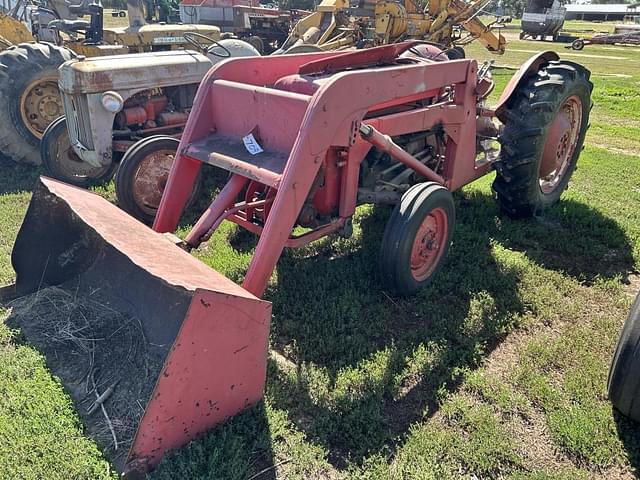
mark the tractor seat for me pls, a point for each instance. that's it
(69, 25)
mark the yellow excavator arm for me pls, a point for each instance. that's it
(335, 24)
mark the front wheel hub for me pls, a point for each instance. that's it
(429, 244)
(151, 178)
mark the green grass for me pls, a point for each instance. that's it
(496, 370)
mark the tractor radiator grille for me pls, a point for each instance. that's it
(76, 108)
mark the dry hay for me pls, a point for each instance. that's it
(94, 349)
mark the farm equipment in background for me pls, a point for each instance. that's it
(29, 71)
(336, 25)
(303, 140)
(264, 28)
(626, 38)
(541, 19)
(98, 137)
(136, 96)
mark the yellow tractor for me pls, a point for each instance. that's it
(337, 24)
(36, 40)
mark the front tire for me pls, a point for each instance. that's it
(623, 383)
(29, 97)
(143, 174)
(417, 237)
(61, 162)
(546, 120)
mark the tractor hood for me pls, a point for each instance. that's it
(132, 72)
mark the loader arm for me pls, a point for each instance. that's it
(466, 16)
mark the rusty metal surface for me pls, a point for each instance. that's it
(150, 179)
(133, 71)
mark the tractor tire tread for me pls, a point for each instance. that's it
(527, 117)
(16, 142)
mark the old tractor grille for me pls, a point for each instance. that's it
(76, 108)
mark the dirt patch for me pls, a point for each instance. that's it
(97, 352)
(632, 284)
(611, 149)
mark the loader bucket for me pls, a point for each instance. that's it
(208, 335)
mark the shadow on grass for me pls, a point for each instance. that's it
(236, 450)
(330, 311)
(572, 238)
(16, 177)
(628, 434)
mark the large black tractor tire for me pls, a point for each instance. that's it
(61, 162)
(624, 375)
(559, 94)
(29, 97)
(417, 238)
(143, 175)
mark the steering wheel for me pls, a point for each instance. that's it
(195, 39)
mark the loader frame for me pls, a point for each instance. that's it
(333, 132)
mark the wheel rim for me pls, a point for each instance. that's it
(561, 143)
(429, 244)
(151, 178)
(68, 164)
(40, 105)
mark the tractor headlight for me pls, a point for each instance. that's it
(112, 102)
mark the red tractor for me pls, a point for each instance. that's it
(304, 140)
(399, 125)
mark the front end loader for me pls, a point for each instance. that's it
(302, 140)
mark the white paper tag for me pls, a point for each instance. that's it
(252, 145)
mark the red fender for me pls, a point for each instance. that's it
(531, 65)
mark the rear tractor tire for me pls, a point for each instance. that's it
(29, 97)
(623, 384)
(61, 162)
(546, 121)
(143, 174)
(417, 237)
